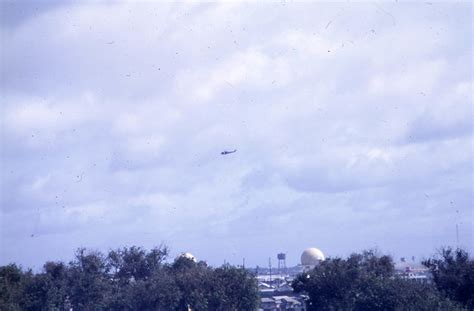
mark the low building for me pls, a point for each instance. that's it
(276, 292)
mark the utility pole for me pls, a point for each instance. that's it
(457, 236)
(270, 266)
(457, 229)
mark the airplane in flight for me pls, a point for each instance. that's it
(228, 152)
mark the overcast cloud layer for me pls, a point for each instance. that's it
(353, 125)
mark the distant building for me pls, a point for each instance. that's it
(412, 271)
(187, 255)
(276, 292)
(278, 302)
(311, 257)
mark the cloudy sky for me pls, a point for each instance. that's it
(353, 124)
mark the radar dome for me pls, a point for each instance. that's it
(311, 257)
(188, 256)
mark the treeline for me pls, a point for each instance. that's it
(368, 281)
(128, 279)
(136, 279)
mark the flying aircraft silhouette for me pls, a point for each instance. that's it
(227, 152)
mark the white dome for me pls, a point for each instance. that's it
(188, 256)
(311, 257)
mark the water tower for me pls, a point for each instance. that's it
(281, 262)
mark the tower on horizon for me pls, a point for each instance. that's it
(281, 262)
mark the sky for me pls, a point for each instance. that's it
(353, 124)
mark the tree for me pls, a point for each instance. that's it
(128, 279)
(194, 283)
(234, 289)
(453, 274)
(11, 287)
(88, 280)
(365, 282)
(138, 280)
(47, 290)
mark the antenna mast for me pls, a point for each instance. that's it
(457, 236)
(270, 266)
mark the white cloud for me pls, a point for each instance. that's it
(341, 114)
(420, 78)
(250, 69)
(27, 115)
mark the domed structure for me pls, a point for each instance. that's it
(311, 257)
(188, 256)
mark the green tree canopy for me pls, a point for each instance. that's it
(128, 279)
(365, 281)
(453, 274)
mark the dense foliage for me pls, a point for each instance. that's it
(367, 282)
(127, 279)
(453, 274)
(137, 279)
